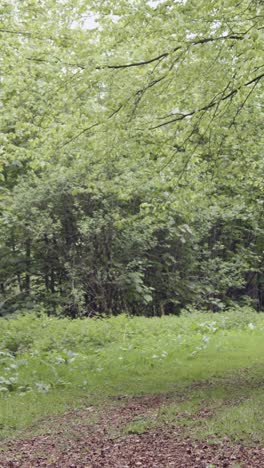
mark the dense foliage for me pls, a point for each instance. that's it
(131, 161)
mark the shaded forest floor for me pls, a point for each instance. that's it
(129, 432)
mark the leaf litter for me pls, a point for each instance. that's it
(86, 439)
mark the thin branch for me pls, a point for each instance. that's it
(166, 54)
(79, 134)
(257, 78)
(138, 64)
(115, 111)
(149, 61)
(9, 31)
(52, 62)
(84, 130)
(213, 103)
(243, 104)
(237, 37)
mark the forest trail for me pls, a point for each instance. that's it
(92, 438)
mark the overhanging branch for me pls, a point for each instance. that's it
(182, 116)
(147, 61)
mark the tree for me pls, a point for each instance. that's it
(131, 167)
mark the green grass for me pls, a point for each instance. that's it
(214, 361)
(239, 420)
(231, 406)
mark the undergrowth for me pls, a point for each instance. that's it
(49, 365)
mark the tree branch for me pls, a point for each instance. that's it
(144, 62)
(208, 106)
(79, 134)
(139, 64)
(10, 31)
(166, 54)
(237, 37)
(257, 78)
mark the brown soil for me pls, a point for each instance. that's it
(75, 440)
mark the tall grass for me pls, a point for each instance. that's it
(48, 365)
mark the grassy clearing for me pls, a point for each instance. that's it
(220, 408)
(206, 361)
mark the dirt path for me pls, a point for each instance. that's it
(84, 440)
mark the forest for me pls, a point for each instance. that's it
(131, 233)
(131, 166)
